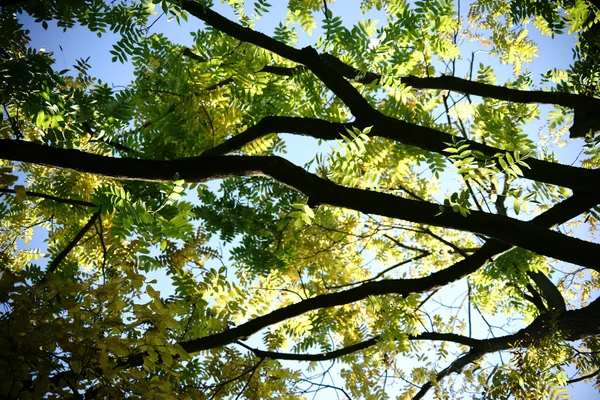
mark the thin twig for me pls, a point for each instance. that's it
(53, 198)
(63, 254)
(249, 378)
(583, 378)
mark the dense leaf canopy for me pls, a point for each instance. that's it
(157, 241)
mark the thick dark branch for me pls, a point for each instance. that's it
(455, 367)
(307, 56)
(583, 378)
(549, 291)
(283, 71)
(116, 145)
(465, 86)
(560, 213)
(448, 337)
(574, 325)
(190, 54)
(401, 287)
(578, 179)
(503, 93)
(586, 117)
(53, 198)
(460, 85)
(204, 168)
(535, 299)
(219, 84)
(313, 127)
(332, 355)
(63, 254)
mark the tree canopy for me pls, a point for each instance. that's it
(438, 242)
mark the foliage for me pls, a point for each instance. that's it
(424, 219)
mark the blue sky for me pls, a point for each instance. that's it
(80, 43)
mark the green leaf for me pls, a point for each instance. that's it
(309, 211)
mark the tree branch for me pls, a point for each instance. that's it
(549, 291)
(380, 274)
(273, 69)
(560, 213)
(204, 168)
(63, 254)
(455, 367)
(574, 324)
(332, 355)
(8, 3)
(307, 56)
(455, 248)
(478, 347)
(455, 84)
(53, 198)
(535, 299)
(583, 378)
(460, 85)
(249, 378)
(578, 179)
(312, 127)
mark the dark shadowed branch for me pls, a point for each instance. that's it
(205, 168)
(332, 355)
(73, 202)
(307, 56)
(584, 377)
(578, 179)
(558, 214)
(455, 84)
(63, 254)
(574, 325)
(404, 132)
(446, 82)
(478, 347)
(469, 87)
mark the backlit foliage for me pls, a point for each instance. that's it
(393, 264)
